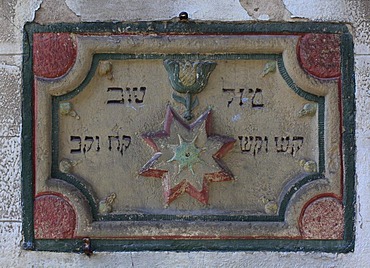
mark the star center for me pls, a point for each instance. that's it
(186, 154)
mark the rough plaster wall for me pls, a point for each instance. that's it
(157, 10)
(13, 15)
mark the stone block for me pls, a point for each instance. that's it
(125, 146)
(7, 21)
(362, 66)
(53, 11)
(362, 38)
(10, 97)
(10, 179)
(143, 10)
(10, 243)
(318, 10)
(13, 15)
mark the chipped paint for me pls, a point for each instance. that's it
(106, 205)
(309, 166)
(236, 117)
(105, 69)
(309, 109)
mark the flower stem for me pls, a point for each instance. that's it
(189, 101)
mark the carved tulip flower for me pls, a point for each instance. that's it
(190, 78)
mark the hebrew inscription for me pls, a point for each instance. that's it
(186, 137)
(242, 96)
(259, 144)
(88, 143)
(182, 140)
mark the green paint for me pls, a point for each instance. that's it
(98, 245)
(321, 110)
(27, 144)
(171, 27)
(186, 154)
(349, 112)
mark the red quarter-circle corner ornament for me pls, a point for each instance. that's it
(54, 54)
(319, 54)
(54, 217)
(322, 218)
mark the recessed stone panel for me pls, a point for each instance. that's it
(167, 134)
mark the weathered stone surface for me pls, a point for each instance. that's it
(318, 10)
(270, 10)
(144, 10)
(362, 66)
(7, 14)
(362, 38)
(13, 15)
(10, 99)
(53, 11)
(359, 12)
(10, 179)
(10, 243)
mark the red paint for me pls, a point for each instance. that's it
(322, 218)
(53, 54)
(319, 54)
(54, 217)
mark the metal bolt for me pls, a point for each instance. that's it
(183, 16)
(86, 246)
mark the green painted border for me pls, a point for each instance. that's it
(193, 27)
(97, 245)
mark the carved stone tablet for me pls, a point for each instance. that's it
(188, 136)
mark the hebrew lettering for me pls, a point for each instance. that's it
(119, 95)
(242, 96)
(253, 144)
(288, 144)
(86, 144)
(119, 143)
(78, 140)
(260, 144)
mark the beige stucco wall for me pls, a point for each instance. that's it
(13, 15)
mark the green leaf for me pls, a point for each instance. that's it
(179, 99)
(195, 102)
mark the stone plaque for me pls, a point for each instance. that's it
(184, 135)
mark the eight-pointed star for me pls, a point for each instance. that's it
(187, 156)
